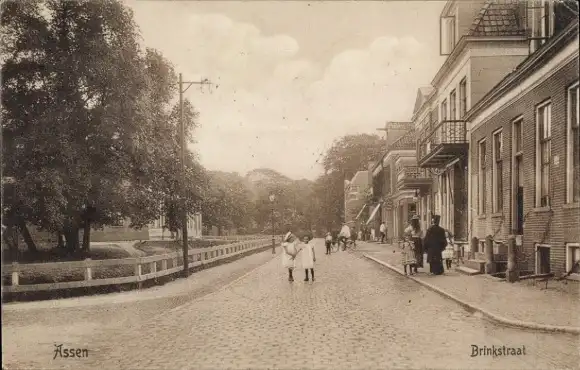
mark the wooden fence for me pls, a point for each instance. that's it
(197, 257)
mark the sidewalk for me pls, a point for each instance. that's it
(517, 304)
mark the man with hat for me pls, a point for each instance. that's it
(435, 243)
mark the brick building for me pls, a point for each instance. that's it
(483, 41)
(524, 154)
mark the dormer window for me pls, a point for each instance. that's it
(545, 18)
(541, 18)
(448, 34)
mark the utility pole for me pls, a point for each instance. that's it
(183, 174)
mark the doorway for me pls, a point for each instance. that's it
(542, 259)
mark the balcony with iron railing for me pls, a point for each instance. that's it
(441, 143)
(413, 178)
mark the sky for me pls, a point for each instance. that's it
(293, 76)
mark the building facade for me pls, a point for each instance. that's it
(484, 41)
(393, 204)
(355, 192)
(157, 228)
(524, 155)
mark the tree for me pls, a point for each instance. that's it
(348, 155)
(89, 135)
(352, 153)
(228, 202)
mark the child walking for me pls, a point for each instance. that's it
(448, 252)
(308, 257)
(408, 255)
(328, 242)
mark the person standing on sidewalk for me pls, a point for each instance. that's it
(448, 252)
(414, 233)
(435, 243)
(383, 231)
(308, 257)
(289, 252)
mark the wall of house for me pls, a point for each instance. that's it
(553, 227)
(488, 71)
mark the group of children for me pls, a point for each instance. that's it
(291, 248)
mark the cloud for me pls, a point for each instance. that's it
(276, 109)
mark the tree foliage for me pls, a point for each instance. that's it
(89, 132)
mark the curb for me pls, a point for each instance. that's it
(487, 314)
(222, 288)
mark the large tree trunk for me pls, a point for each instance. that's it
(10, 237)
(72, 239)
(87, 236)
(27, 237)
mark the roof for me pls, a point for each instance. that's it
(422, 95)
(405, 142)
(498, 18)
(533, 62)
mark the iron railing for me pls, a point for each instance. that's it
(412, 172)
(444, 132)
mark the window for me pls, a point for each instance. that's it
(573, 152)
(543, 153)
(541, 13)
(462, 98)
(518, 177)
(453, 105)
(497, 172)
(448, 31)
(572, 258)
(481, 177)
(517, 137)
(443, 113)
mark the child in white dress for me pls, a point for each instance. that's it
(308, 257)
(448, 252)
(289, 252)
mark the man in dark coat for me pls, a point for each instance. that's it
(435, 243)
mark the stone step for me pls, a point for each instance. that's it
(478, 265)
(467, 271)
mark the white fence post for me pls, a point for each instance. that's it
(138, 274)
(15, 277)
(163, 264)
(153, 267)
(88, 270)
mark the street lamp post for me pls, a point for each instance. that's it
(184, 215)
(272, 199)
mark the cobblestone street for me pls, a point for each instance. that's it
(356, 314)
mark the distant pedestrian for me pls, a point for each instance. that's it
(448, 252)
(383, 232)
(414, 233)
(328, 242)
(308, 257)
(435, 243)
(360, 235)
(289, 252)
(373, 236)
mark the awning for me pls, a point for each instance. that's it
(361, 211)
(374, 213)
